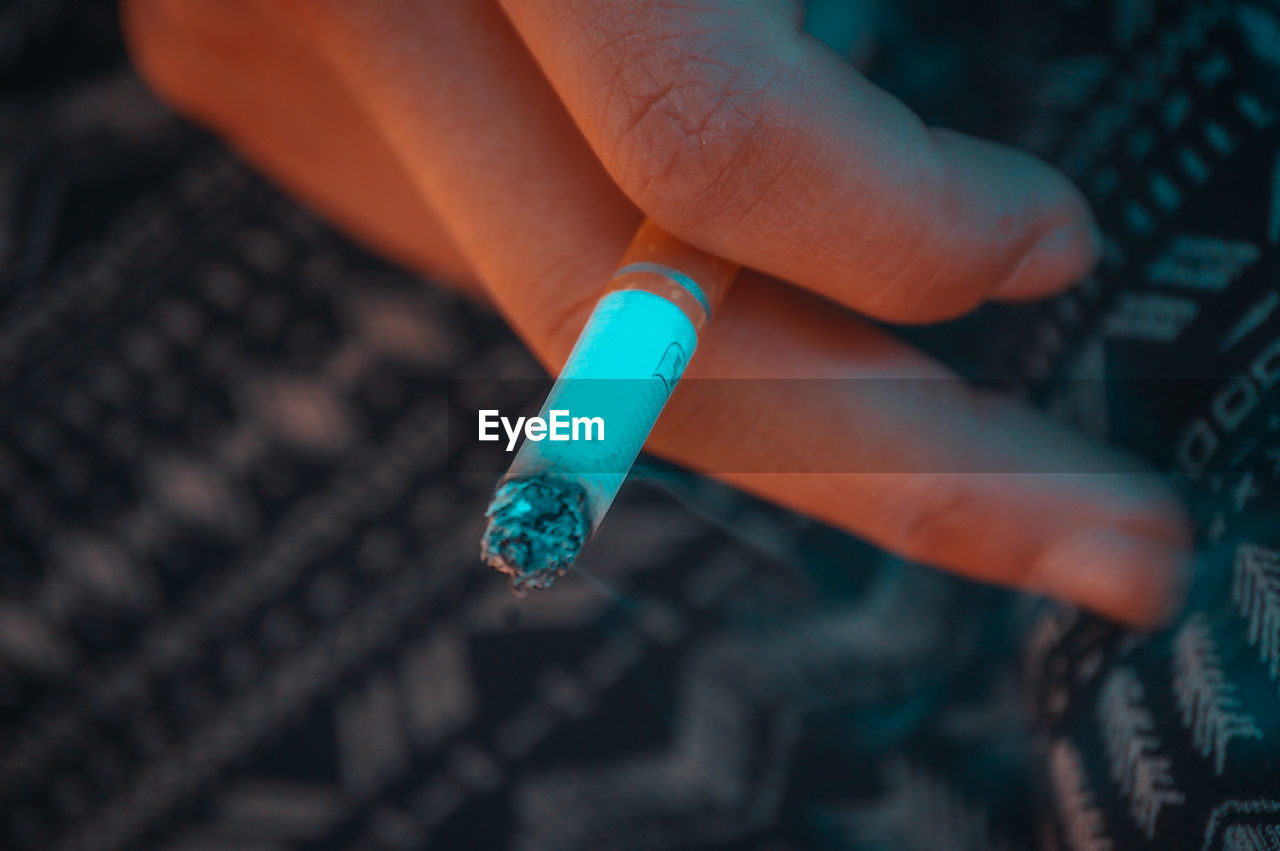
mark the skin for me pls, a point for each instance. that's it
(511, 149)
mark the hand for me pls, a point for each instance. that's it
(516, 146)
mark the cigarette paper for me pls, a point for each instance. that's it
(623, 368)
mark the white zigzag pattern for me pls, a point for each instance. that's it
(1204, 263)
(264, 813)
(1205, 698)
(1133, 749)
(1255, 590)
(1252, 837)
(1243, 825)
(1081, 821)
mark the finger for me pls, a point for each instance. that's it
(925, 466)
(735, 130)
(545, 227)
(244, 72)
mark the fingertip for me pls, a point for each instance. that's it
(1024, 215)
(1054, 262)
(1127, 578)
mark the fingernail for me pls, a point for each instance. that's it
(1128, 578)
(1058, 259)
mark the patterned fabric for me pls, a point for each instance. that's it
(1171, 740)
(240, 606)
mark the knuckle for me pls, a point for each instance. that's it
(684, 129)
(936, 514)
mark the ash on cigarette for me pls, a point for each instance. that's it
(536, 528)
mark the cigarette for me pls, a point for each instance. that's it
(644, 330)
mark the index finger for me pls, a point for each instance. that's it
(735, 130)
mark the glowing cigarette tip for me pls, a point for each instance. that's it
(536, 528)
